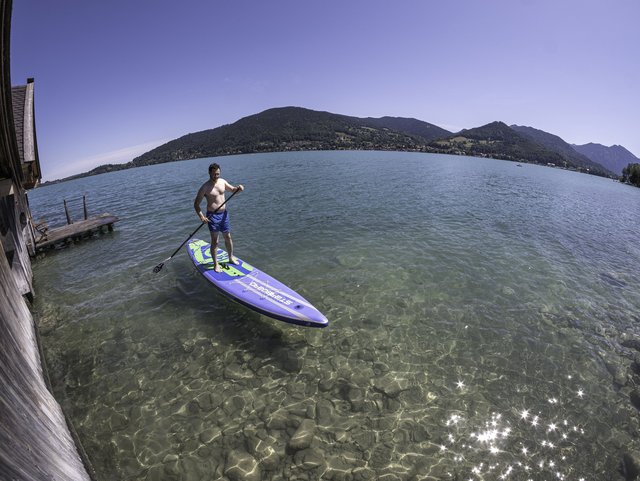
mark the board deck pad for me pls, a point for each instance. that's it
(253, 288)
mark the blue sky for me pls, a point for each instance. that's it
(114, 79)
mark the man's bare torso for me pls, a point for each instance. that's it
(214, 193)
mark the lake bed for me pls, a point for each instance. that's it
(481, 322)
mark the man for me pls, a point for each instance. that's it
(213, 190)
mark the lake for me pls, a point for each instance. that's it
(477, 308)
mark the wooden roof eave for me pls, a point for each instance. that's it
(30, 160)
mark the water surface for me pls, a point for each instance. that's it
(477, 310)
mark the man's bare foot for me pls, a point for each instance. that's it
(217, 268)
(234, 260)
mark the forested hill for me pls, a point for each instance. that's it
(295, 128)
(499, 141)
(421, 129)
(555, 143)
(614, 158)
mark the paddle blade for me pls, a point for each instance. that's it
(158, 268)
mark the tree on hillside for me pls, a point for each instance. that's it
(631, 174)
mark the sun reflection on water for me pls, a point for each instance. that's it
(522, 443)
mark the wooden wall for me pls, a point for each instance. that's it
(35, 441)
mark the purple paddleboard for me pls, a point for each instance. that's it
(253, 288)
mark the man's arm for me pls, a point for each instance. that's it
(231, 188)
(197, 202)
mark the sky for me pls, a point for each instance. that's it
(114, 79)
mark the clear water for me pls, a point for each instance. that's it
(476, 309)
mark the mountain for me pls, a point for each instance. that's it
(419, 128)
(295, 128)
(556, 144)
(499, 141)
(614, 158)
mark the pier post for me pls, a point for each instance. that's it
(66, 211)
(84, 204)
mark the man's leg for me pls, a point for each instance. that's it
(229, 245)
(214, 251)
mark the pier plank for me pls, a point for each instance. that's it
(78, 229)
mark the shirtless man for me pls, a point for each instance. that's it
(213, 190)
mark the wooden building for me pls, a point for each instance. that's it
(19, 171)
(36, 442)
(24, 119)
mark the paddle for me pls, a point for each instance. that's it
(159, 267)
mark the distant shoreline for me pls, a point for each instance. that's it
(296, 129)
(105, 169)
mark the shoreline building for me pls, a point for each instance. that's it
(36, 440)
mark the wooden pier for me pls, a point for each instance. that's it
(74, 230)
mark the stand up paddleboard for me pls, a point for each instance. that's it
(253, 288)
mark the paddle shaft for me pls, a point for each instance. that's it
(159, 266)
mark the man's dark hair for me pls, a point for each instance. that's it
(213, 166)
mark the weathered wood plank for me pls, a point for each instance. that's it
(75, 230)
(35, 443)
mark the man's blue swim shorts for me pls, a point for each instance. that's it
(219, 222)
